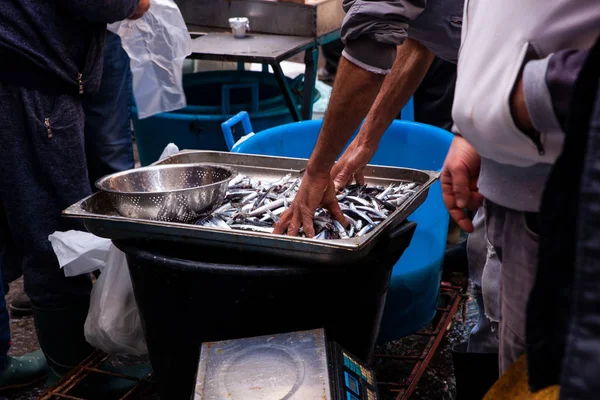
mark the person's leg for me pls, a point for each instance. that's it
(21, 371)
(332, 52)
(483, 266)
(45, 172)
(434, 96)
(11, 263)
(476, 361)
(108, 136)
(513, 235)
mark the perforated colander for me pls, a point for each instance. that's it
(174, 193)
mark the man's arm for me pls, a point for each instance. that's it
(412, 63)
(371, 31)
(353, 94)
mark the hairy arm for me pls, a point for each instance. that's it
(353, 94)
(412, 62)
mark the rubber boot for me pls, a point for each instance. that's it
(21, 306)
(475, 373)
(61, 337)
(20, 372)
(60, 333)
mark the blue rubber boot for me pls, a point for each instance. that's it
(23, 371)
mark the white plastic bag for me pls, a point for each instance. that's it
(79, 252)
(168, 151)
(157, 45)
(113, 323)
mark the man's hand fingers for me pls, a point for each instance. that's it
(294, 226)
(475, 201)
(359, 178)
(342, 179)
(308, 225)
(459, 215)
(336, 213)
(461, 186)
(283, 223)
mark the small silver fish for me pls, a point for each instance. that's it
(365, 230)
(253, 228)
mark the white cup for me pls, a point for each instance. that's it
(239, 26)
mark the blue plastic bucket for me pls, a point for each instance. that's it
(213, 97)
(412, 296)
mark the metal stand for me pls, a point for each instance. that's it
(266, 49)
(404, 388)
(89, 367)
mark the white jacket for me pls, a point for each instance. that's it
(498, 38)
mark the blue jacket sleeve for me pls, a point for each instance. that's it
(100, 11)
(372, 29)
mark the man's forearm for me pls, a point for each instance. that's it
(353, 94)
(412, 63)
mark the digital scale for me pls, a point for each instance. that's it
(289, 366)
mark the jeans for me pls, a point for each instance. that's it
(108, 136)
(484, 271)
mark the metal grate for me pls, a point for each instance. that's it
(401, 384)
(88, 367)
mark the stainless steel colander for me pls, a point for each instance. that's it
(174, 193)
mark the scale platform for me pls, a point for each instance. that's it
(291, 366)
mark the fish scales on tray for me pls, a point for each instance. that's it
(253, 205)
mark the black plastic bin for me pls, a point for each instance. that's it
(188, 295)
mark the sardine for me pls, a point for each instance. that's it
(361, 214)
(236, 180)
(387, 191)
(271, 206)
(365, 230)
(372, 211)
(358, 200)
(253, 228)
(340, 229)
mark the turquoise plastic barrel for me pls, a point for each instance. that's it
(412, 297)
(213, 97)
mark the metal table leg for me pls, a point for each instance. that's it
(287, 91)
(311, 62)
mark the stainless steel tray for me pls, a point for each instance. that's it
(101, 219)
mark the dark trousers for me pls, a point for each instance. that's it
(434, 97)
(332, 52)
(43, 171)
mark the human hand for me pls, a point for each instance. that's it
(315, 190)
(459, 182)
(352, 164)
(143, 6)
(518, 108)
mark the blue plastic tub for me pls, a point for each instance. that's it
(412, 297)
(213, 97)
